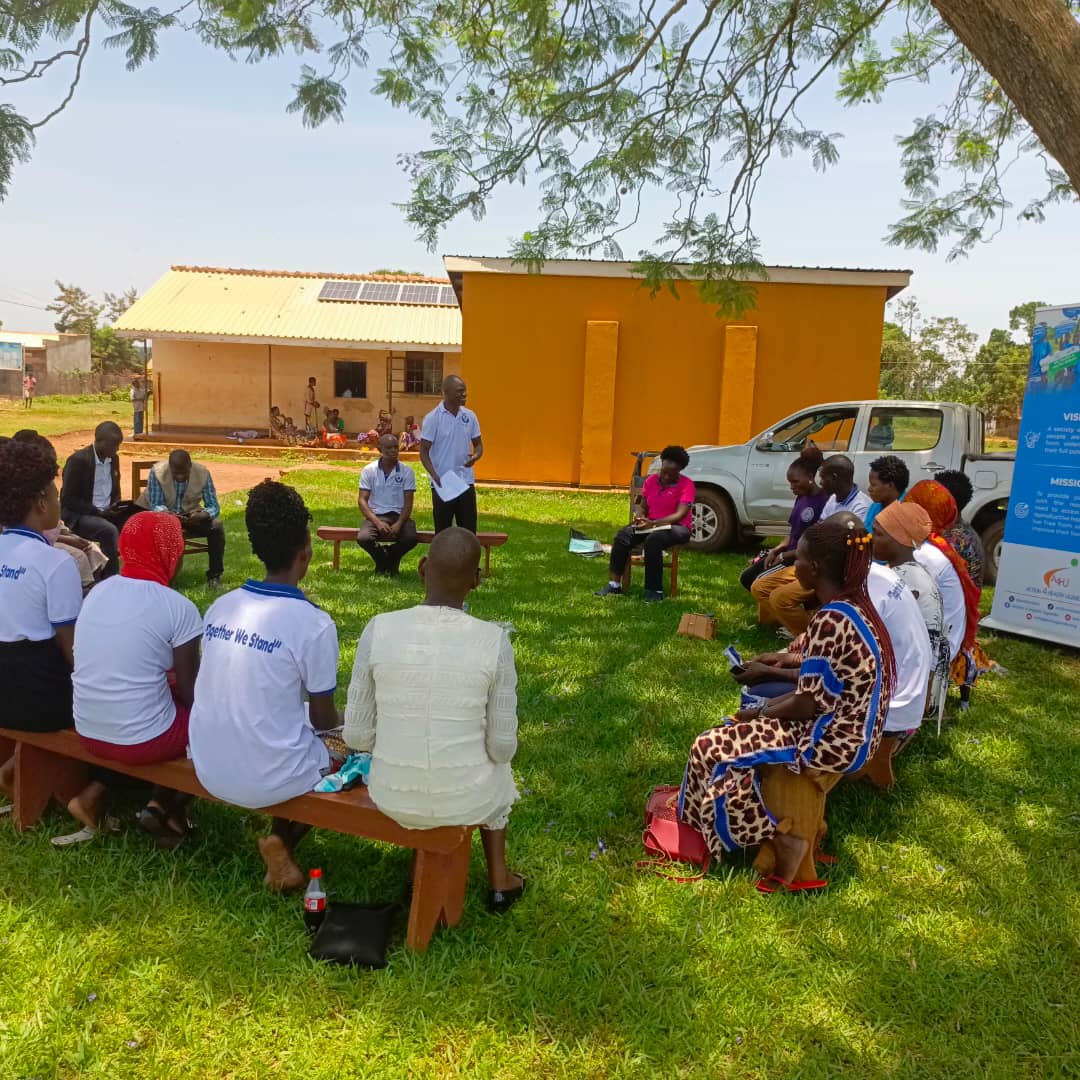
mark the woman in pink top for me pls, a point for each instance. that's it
(664, 521)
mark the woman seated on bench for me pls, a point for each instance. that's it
(40, 597)
(831, 720)
(136, 658)
(254, 741)
(433, 697)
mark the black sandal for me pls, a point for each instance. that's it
(155, 823)
(501, 901)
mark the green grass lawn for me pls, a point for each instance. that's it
(57, 415)
(946, 945)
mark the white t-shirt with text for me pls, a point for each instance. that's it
(387, 490)
(451, 439)
(264, 646)
(40, 587)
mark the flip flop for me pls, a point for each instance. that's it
(154, 822)
(81, 836)
(773, 884)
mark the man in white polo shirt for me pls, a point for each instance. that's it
(450, 445)
(387, 490)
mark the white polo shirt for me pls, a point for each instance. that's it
(124, 641)
(451, 439)
(40, 587)
(910, 639)
(250, 738)
(387, 490)
(857, 503)
(952, 593)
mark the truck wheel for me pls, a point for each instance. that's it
(992, 537)
(713, 525)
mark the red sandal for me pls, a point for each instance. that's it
(773, 884)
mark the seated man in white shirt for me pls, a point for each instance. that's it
(387, 490)
(253, 740)
(433, 698)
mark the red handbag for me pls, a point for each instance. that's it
(668, 840)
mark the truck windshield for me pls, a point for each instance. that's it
(830, 430)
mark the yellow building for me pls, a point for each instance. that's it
(573, 369)
(570, 370)
(228, 344)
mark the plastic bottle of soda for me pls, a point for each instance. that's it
(314, 902)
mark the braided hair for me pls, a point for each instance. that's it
(27, 468)
(841, 547)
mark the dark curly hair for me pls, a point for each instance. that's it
(808, 462)
(892, 470)
(676, 454)
(957, 485)
(277, 524)
(27, 469)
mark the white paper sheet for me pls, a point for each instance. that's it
(453, 485)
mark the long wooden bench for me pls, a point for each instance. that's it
(339, 534)
(56, 766)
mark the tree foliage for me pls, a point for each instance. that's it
(79, 313)
(76, 311)
(601, 101)
(937, 360)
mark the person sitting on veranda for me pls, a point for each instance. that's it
(898, 531)
(277, 423)
(254, 740)
(831, 721)
(809, 502)
(410, 435)
(185, 489)
(136, 658)
(663, 522)
(40, 598)
(959, 593)
(385, 498)
(433, 698)
(780, 596)
(965, 540)
(888, 480)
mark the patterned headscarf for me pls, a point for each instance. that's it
(151, 547)
(907, 523)
(935, 499)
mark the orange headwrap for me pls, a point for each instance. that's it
(935, 499)
(151, 547)
(907, 523)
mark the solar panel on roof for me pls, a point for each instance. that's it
(447, 296)
(340, 290)
(419, 294)
(380, 292)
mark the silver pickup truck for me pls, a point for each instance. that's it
(743, 490)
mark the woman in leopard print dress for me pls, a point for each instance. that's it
(831, 721)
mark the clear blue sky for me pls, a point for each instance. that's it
(194, 160)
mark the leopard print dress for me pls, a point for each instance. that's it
(842, 669)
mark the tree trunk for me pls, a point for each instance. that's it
(1032, 48)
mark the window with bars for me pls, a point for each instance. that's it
(350, 378)
(423, 373)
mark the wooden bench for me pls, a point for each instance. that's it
(799, 799)
(338, 534)
(57, 766)
(139, 472)
(671, 561)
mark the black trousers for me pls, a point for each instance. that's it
(213, 532)
(387, 555)
(104, 528)
(460, 511)
(653, 544)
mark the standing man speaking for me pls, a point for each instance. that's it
(450, 445)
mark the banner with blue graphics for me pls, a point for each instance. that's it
(1038, 585)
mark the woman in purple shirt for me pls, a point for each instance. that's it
(810, 500)
(664, 522)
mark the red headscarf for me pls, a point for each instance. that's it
(935, 499)
(151, 547)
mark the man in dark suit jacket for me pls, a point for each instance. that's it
(90, 494)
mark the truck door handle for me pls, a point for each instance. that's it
(932, 466)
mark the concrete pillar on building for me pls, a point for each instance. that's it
(598, 402)
(736, 417)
